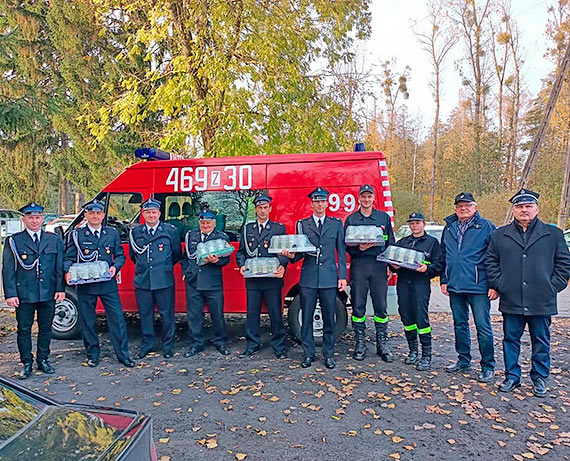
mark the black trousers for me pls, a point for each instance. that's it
(115, 323)
(366, 275)
(327, 299)
(25, 318)
(273, 301)
(413, 303)
(195, 301)
(164, 300)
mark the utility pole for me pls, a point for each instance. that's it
(533, 155)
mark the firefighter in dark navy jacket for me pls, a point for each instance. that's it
(320, 275)
(32, 274)
(414, 291)
(96, 242)
(155, 248)
(528, 264)
(369, 275)
(204, 285)
(254, 242)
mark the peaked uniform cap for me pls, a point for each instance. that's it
(464, 197)
(150, 204)
(319, 194)
(524, 196)
(32, 208)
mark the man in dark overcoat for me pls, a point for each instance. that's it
(528, 263)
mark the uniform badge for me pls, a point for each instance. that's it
(86, 251)
(250, 244)
(24, 256)
(108, 250)
(266, 244)
(160, 247)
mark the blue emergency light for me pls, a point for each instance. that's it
(150, 153)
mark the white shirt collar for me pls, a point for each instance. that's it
(93, 230)
(31, 232)
(148, 228)
(262, 224)
(316, 219)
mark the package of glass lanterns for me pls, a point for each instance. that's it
(296, 243)
(216, 247)
(355, 235)
(260, 267)
(403, 257)
(96, 271)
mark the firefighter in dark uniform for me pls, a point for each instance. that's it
(204, 285)
(528, 263)
(367, 274)
(414, 291)
(254, 242)
(96, 242)
(155, 248)
(320, 276)
(32, 274)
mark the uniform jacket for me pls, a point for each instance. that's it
(377, 218)
(251, 242)
(154, 267)
(106, 248)
(320, 269)
(528, 275)
(429, 246)
(464, 269)
(208, 276)
(40, 283)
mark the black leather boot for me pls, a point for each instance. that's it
(360, 346)
(425, 362)
(412, 338)
(382, 348)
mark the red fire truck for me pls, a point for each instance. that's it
(228, 185)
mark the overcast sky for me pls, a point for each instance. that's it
(392, 36)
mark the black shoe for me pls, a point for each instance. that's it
(92, 362)
(26, 372)
(223, 350)
(142, 354)
(330, 363)
(249, 352)
(281, 354)
(458, 367)
(167, 353)
(412, 357)
(539, 388)
(128, 363)
(193, 351)
(486, 376)
(508, 385)
(307, 362)
(46, 367)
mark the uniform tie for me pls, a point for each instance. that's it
(203, 237)
(96, 234)
(36, 239)
(261, 227)
(320, 225)
(151, 231)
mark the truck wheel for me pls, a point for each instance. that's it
(295, 320)
(65, 323)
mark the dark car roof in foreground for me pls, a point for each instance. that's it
(35, 427)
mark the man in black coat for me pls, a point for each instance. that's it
(95, 242)
(204, 285)
(254, 243)
(528, 263)
(32, 273)
(155, 248)
(321, 276)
